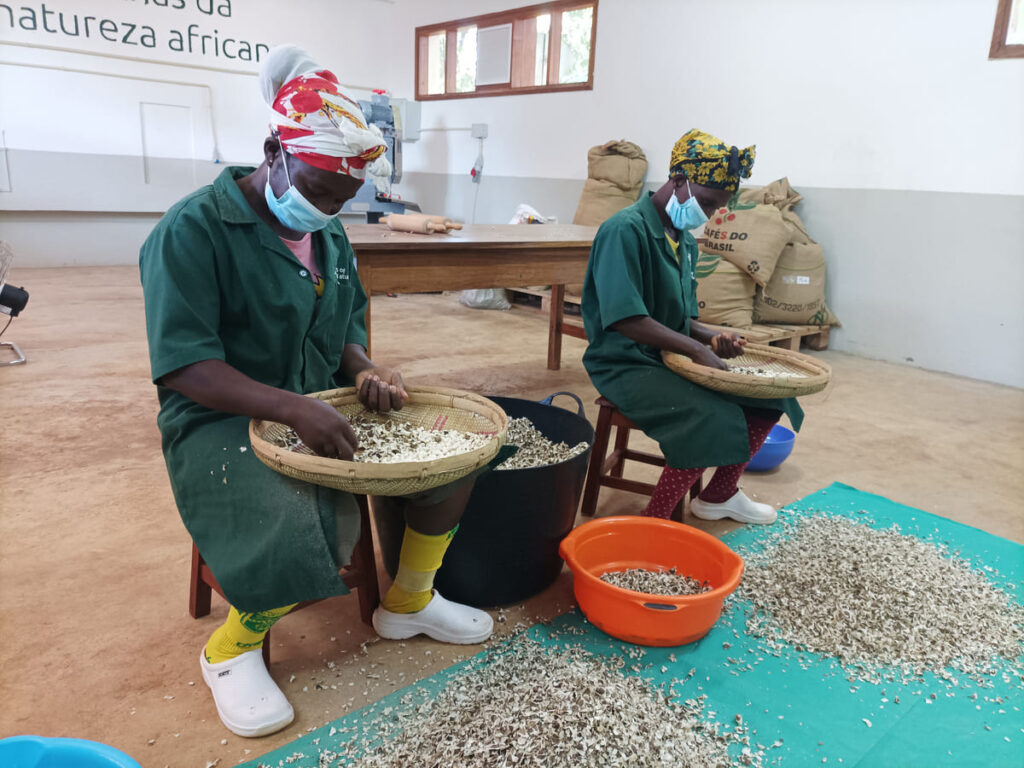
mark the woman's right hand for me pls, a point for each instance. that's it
(706, 357)
(323, 429)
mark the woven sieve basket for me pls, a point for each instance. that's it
(791, 374)
(427, 407)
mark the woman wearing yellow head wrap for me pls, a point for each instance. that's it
(709, 162)
(640, 297)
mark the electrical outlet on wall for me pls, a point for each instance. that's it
(479, 130)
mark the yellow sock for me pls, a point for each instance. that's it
(241, 632)
(418, 561)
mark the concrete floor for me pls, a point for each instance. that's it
(96, 639)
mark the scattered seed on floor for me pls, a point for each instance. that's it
(668, 583)
(885, 604)
(528, 706)
(535, 450)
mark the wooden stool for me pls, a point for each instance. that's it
(360, 574)
(608, 471)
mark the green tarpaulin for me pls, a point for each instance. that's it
(804, 700)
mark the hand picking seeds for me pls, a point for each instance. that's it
(669, 583)
(535, 450)
(885, 604)
(528, 706)
(387, 440)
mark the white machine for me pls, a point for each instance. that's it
(12, 301)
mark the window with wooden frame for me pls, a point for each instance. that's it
(1008, 36)
(539, 48)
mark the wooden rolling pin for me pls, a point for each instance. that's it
(419, 222)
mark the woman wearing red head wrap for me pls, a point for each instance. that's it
(253, 300)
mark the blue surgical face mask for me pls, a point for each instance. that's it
(687, 215)
(292, 209)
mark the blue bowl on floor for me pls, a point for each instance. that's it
(774, 451)
(40, 752)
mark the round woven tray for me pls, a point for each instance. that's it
(792, 374)
(429, 407)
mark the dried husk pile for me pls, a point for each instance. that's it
(669, 583)
(525, 705)
(390, 441)
(754, 370)
(886, 605)
(535, 450)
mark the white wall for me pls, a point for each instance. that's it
(879, 94)
(887, 114)
(849, 96)
(95, 114)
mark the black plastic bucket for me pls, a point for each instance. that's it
(507, 546)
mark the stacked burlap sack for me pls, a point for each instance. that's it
(615, 176)
(758, 264)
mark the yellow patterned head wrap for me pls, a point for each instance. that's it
(710, 162)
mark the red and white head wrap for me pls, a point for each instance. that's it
(316, 122)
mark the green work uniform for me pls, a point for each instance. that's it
(633, 271)
(219, 284)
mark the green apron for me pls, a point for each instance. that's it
(219, 284)
(633, 271)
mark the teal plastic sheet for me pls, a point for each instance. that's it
(802, 700)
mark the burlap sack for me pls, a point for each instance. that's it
(725, 295)
(620, 162)
(796, 292)
(749, 196)
(797, 230)
(779, 193)
(600, 199)
(751, 237)
(615, 173)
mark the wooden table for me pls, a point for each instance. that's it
(492, 256)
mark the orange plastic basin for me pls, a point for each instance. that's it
(619, 543)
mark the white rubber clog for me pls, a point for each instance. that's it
(441, 619)
(248, 700)
(738, 507)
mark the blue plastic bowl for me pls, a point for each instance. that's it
(40, 752)
(774, 451)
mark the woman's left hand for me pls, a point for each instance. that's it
(728, 345)
(381, 389)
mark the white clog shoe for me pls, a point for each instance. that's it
(248, 700)
(441, 619)
(738, 507)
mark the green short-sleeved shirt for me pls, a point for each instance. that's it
(220, 284)
(633, 271)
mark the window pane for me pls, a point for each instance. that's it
(1015, 29)
(435, 63)
(574, 59)
(541, 65)
(465, 59)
